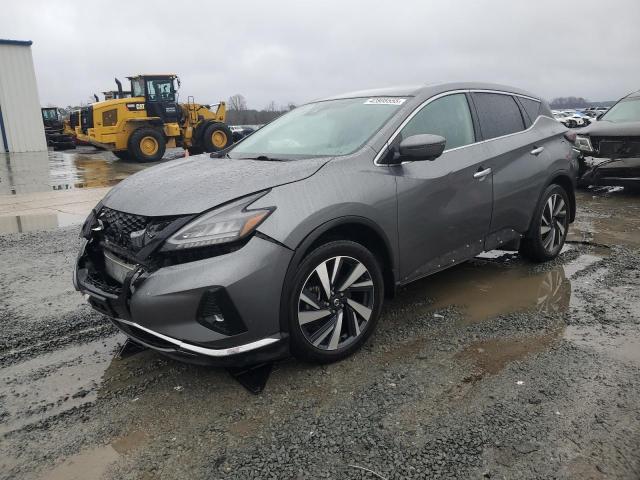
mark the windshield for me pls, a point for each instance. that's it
(624, 111)
(50, 114)
(334, 127)
(160, 89)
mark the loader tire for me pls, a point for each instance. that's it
(147, 145)
(217, 136)
(195, 150)
(122, 154)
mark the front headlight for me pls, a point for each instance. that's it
(222, 225)
(583, 143)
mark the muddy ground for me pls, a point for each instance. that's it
(494, 369)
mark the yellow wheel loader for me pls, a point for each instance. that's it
(143, 126)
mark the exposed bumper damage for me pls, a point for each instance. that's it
(196, 307)
(609, 154)
(624, 172)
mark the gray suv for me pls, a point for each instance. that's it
(290, 240)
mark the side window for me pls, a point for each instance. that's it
(448, 117)
(531, 108)
(498, 114)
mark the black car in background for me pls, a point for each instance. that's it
(610, 148)
(241, 131)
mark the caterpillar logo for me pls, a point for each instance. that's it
(135, 106)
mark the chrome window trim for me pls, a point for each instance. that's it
(455, 92)
(211, 352)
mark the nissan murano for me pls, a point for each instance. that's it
(290, 240)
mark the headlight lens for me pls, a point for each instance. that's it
(222, 225)
(583, 143)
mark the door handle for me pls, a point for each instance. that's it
(480, 174)
(536, 151)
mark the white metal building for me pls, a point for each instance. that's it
(21, 128)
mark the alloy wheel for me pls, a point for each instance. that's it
(553, 225)
(336, 303)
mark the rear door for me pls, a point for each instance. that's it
(444, 206)
(518, 161)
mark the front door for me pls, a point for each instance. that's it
(161, 99)
(444, 206)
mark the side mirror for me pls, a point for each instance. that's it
(421, 147)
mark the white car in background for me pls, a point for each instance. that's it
(570, 119)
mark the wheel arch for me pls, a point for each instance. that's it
(354, 228)
(564, 180)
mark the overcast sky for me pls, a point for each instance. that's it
(300, 50)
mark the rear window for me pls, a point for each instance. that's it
(531, 109)
(499, 114)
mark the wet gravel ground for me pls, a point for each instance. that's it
(494, 369)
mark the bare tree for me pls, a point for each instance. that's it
(271, 107)
(237, 102)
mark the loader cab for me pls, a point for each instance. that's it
(159, 94)
(50, 116)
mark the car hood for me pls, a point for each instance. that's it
(604, 128)
(195, 184)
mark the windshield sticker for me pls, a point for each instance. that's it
(385, 101)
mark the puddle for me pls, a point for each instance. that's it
(623, 343)
(483, 290)
(84, 167)
(90, 464)
(488, 287)
(608, 219)
(53, 383)
(491, 356)
(555, 290)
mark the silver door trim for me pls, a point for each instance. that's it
(455, 92)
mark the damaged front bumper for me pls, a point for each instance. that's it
(624, 172)
(222, 310)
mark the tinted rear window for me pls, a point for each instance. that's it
(498, 114)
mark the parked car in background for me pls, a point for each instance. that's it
(241, 131)
(610, 148)
(570, 119)
(291, 239)
(592, 114)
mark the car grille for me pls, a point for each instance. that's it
(104, 282)
(125, 234)
(118, 227)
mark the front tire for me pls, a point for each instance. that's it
(147, 145)
(335, 301)
(549, 226)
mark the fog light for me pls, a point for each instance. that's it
(217, 312)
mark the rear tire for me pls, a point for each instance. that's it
(335, 301)
(549, 226)
(216, 137)
(147, 145)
